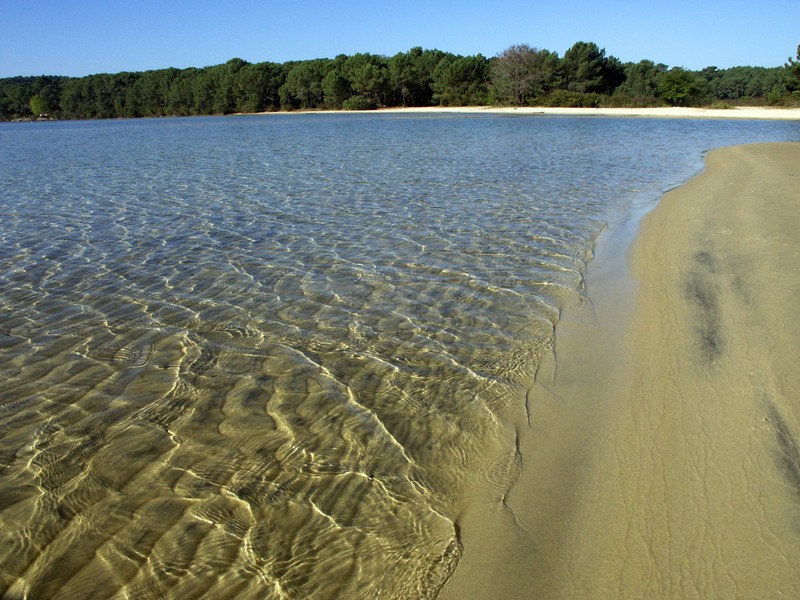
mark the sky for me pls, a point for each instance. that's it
(57, 37)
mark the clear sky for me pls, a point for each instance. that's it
(62, 37)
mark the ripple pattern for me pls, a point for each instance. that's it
(262, 357)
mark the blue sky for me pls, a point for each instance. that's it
(92, 36)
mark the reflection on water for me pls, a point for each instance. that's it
(262, 357)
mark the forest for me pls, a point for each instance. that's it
(520, 75)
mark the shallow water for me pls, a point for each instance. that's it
(262, 357)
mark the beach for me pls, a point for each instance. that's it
(663, 455)
(662, 112)
(242, 358)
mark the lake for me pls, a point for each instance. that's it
(265, 356)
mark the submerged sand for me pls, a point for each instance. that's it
(663, 458)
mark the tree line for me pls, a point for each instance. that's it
(520, 75)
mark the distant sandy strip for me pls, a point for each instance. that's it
(664, 456)
(663, 112)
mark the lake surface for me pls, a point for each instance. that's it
(262, 357)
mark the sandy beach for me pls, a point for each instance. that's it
(663, 458)
(749, 112)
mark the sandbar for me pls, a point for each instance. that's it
(663, 455)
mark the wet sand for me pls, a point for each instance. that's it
(663, 455)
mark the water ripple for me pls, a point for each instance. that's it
(263, 357)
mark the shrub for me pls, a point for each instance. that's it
(359, 103)
(572, 99)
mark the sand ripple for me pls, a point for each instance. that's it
(243, 359)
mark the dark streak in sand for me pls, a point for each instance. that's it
(789, 458)
(515, 475)
(703, 293)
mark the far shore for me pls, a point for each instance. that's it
(662, 112)
(743, 112)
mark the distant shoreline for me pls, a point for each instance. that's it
(664, 112)
(749, 112)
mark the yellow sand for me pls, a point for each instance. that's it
(664, 456)
(739, 112)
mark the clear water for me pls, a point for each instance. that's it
(261, 357)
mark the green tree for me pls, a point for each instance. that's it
(75, 99)
(204, 89)
(149, 95)
(679, 87)
(405, 75)
(641, 81)
(613, 74)
(256, 87)
(48, 88)
(588, 69)
(225, 92)
(368, 75)
(101, 91)
(16, 93)
(793, 72)
(519, 75)
(741, 83)
(303, 86)
(461, 81)
(180, 96)
(411, 75)
(763, 81)
(336, 89)
(38, 106)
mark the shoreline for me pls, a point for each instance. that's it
(673, 112)
(663, 460)
(664, 112)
